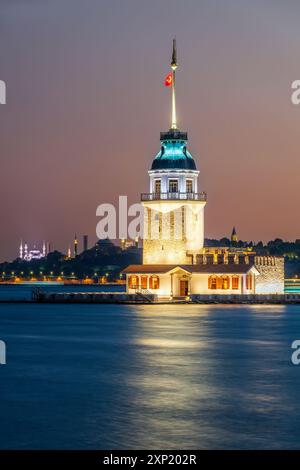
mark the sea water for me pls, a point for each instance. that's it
(149, 376)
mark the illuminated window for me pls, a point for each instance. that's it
(189, 186)
(160, 222)
(225, 282)
(219, 283)
(235, 282)
(172, 219)
(133, 282)
(249, 281)
(154, 282)
(157, 186)
(173, 186)
(144, 282)
(212, 282)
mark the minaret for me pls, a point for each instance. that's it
(75, 246)
(21, 250)
(174, 207)
(85, 242)
(44, 249)
(25, 251)
(234, 238)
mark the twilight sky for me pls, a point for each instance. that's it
(86, 103)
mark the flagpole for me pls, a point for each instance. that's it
(174, 124)
(174, 67)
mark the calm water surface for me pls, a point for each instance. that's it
(109, 376)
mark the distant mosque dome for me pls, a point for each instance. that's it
(173, 154)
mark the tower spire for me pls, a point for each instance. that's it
(174, 67)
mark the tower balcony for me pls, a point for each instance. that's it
(173, 134)
(174, 196)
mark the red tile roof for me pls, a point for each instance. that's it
(192, 268)
(149, 268)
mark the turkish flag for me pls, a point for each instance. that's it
(169, 79)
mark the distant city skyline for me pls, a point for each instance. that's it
(86, 103)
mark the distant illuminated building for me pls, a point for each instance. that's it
(27, 255)
(128, 243)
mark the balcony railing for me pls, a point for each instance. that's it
(174, 196)
(173, 134)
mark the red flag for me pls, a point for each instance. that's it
(169, 79)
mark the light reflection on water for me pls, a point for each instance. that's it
(107, 376)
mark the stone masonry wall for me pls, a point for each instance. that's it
(271, 277)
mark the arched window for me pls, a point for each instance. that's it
(235, 282)
(144, 282)
(157, 186)
(133, 282)
(219, 282)
(189, 186)
(154, 282)
(225, 282)
(212, 282)
(173, 186)
(249, 281)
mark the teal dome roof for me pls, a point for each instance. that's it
(173, 154)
